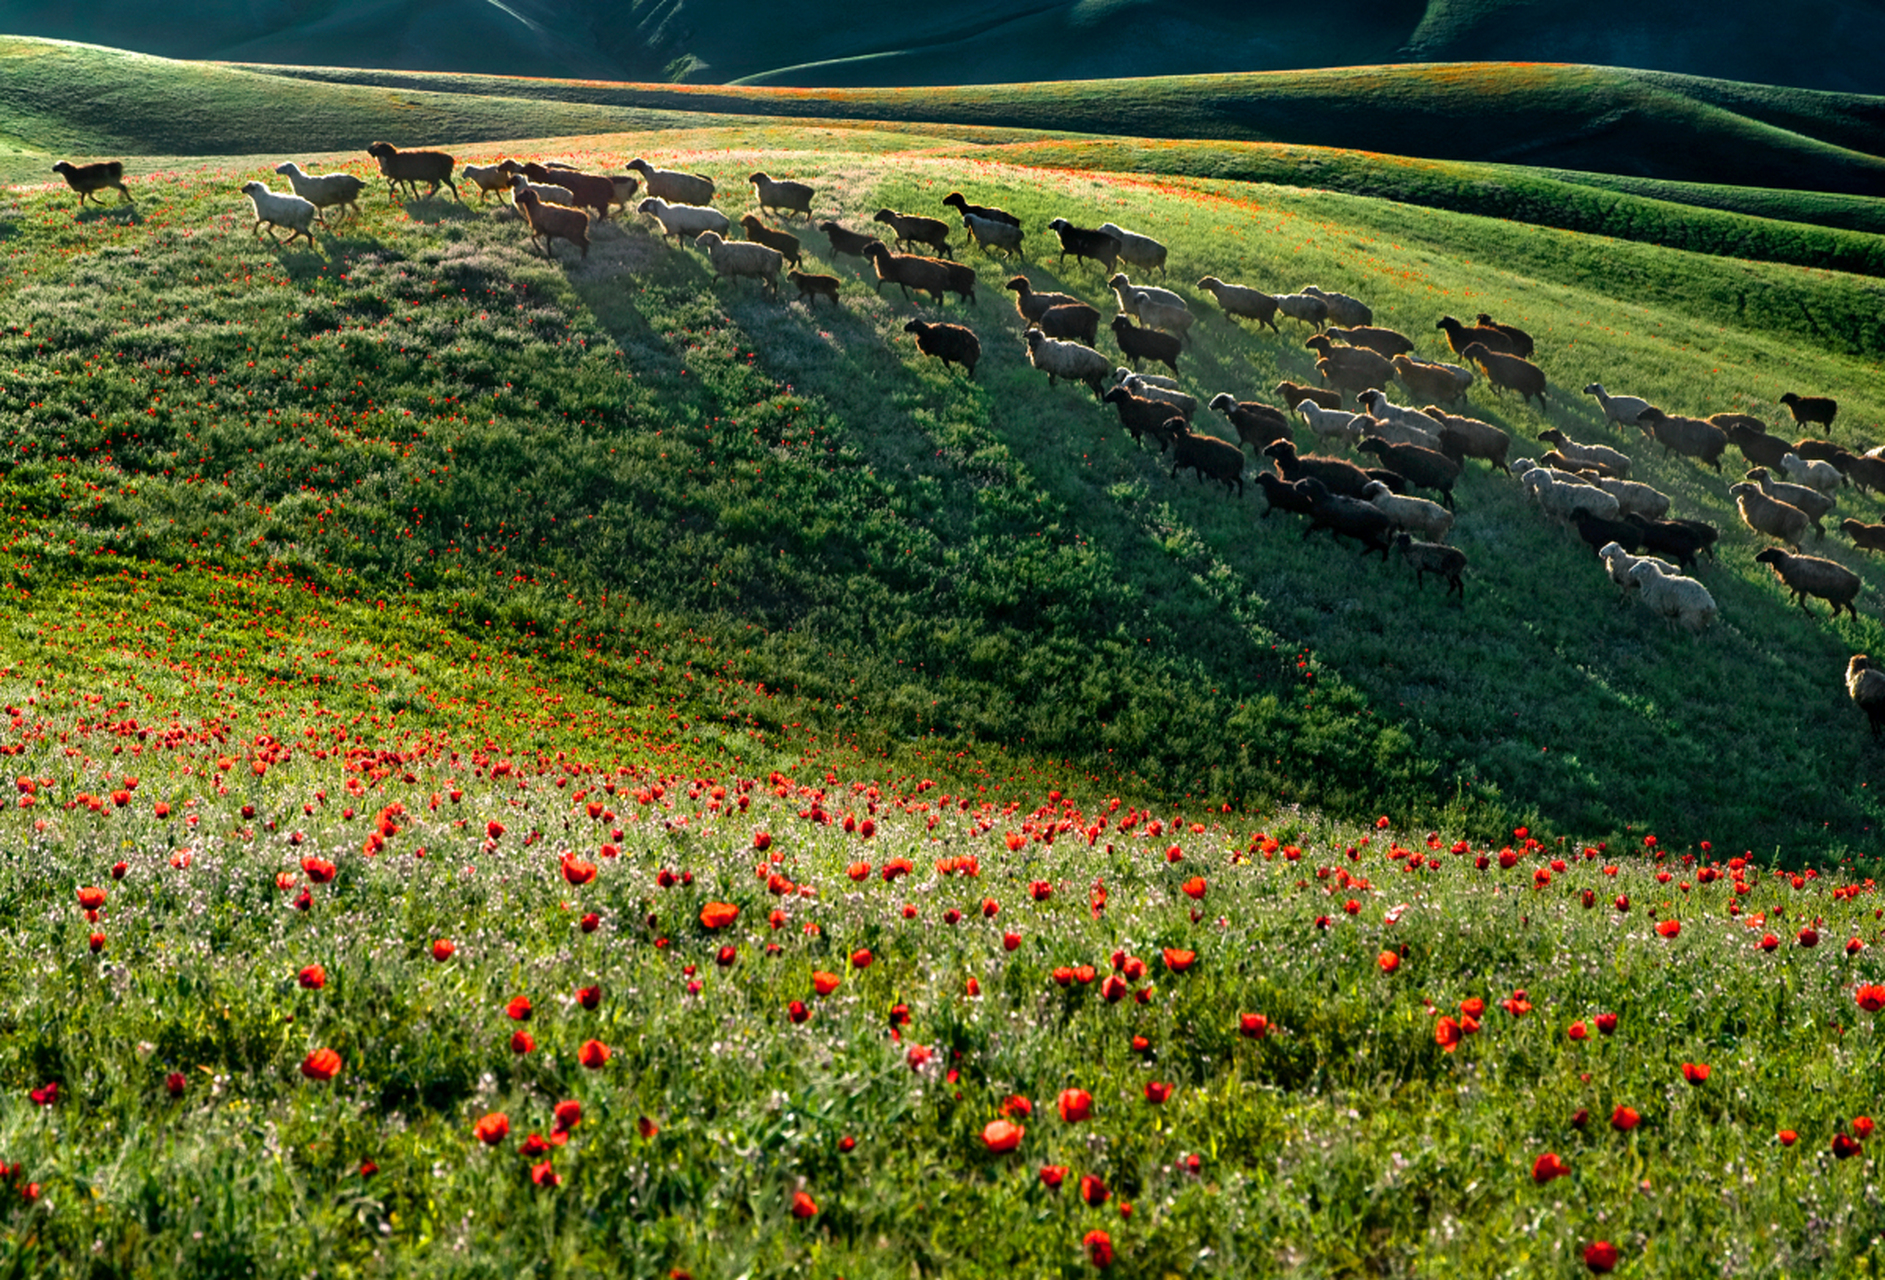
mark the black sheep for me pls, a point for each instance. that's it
(1084, 243)
(1284, 495)
(949, 343)
(1337, 475)
(1347, 518)
(1140, 415)
(1819, 410)
(1759, 448)
(1207, 456)
(1668, 538)
(1436, 558)
(845, 241)
(1258, 425)
(1424, 468)
(956, 201)
(1596, 531)
(87, 179)
(1146, 344)
(1075, 320)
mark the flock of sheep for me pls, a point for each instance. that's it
(1372, 501)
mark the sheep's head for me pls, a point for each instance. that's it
(1447, 322)
(382, 150)
(885, 215)
(639, 164)
(708, 240)
(1222, 402)
(1552, 436)
(1772, 556)
(1121, 322)
(653, 204)
(1211, 282)
(1281, 449)
(1060, 224)
(64, 166)
(1020, 285)
(1759, 476)
(287, 166)
(757, 178)
(1373, 444)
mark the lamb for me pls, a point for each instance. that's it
(1812, 576)
(1423, 468)
(1340, 477)
(1075, 320)
(324, 191)
(1284, 495)
(811, 288)
(991, 235)
(87, 179)
(1206, 456)
(1067, 360)
(792, 197)
(1311, 310)
(1146, 344)
(1811, 410)
(1620, 562)
(1634, 497)
(273, 209)
(914, 228)
(1138, 250)
(413, 167)
(1350, 313)
(1139, 415)
(949, 343)
(1033, 304)
(1346, 517)
(1257, 425)
(1690, 437)
(844, 241)
(1866, 537)
(1681, 539)
(1435, 558)
(785, 242)
(1429, 520)
(547, 193)
(1335, 424)
(587, 190)
(1815, 504)
(1398, 424)
(1770, 516)
(1865, 685)
(1460, 337)
(742, 258)
(1509, 372)
(1294, 393)
(684, 220)
(1823, 476)
(672, 186)
(1603, 457)
(1622, 410)
(1153, 387)
(488, 178)
(1463, 438)
(989, 213)
(553, 222)
(1083, 242)
(1521, 341)
(1678, 600)
(1759, 448)
(1239, 300)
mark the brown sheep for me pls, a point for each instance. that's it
(672, 185)
(1463, 438)
(1459, 337)
(553, 222)
(811, 288)
(1033, 304)
(845, 241)
(1258, 425)
(1427, 381)
(1207, 456)
(1074, 320)
(913, 228)
(1690, 437)
(1139, 415)
(1811, 576)
(1146, 344)
(1294, 393)
(793, 197)
(784, 241)
(589, 191)
(409, 168)
(1422, 468)
(926, 275)
(1383, 342)
(949, 343)
(1865, 685)
(87, 179)
(1508, 372)
(1811, 410)
(1866, 537)
(1759, 448)
(1521, 341)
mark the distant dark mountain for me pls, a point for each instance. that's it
(1821, 44)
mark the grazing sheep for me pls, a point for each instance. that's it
(1865, 685)
(553, 222)
(1823, 476)
(409, 168)
(1206, 456)
(1681, 540)
(546, 193)
(1463, 438)
(1138, 250)
(1759, 448)
(914, 228)
(1083, 242)
(737, 258)
(791, 197)
(1506, 372)
(1346, 517)
(1690, 437)
(1435, 558)
(1635, 497)
(1460, 337)
(1817, 505)
(811, 288)
(1620, 562)
(1337, 425)
(273, 209)
(1596, 532)
(1257, 425)
(988, 213)
(684, 221)
(991, 235)
(1139, 415)
(1430, 520)
(1811, 410)
(1350, 313)
(949, 343)
(844, 241)
(587, 190)
(1284, 495)
(1154, 387)
(673, 186)
(1677, 600)
(87, 179)
(1812, 576)
(1067, 360)
(1294, 393)
(1242, 301)
(1866, 537)
(1074, 320)
(1603, 457)
(324, 191)
(1146, 344)
(1033, 304)
(1398, 424)
(785, 242)
(1521, 340)
(1770, 516)
(1307, 308)
(1622, 410)
(1423, 468)
(1338, 475)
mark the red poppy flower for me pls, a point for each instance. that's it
(175, 1083)
(718, 915)
(1870, 997)
(568, 1115)
(1075, 1105)
(1099, 1249)
(858, 870)
(594, 1054)
(494, 828)
(1607, 1023)
(648, 1129)
(1769, 942)
(1002, 1136)
(1787, 1137)
(589, 998)
(1157, 1093)
(1578, 1031)
(1094, 1190)
(1010, 940)
(1669, 928)
(543, 1175)
(1547, 1167)
(1114, 988)
(1601, 1257)
(590, 922)
(1253, 1026)
(824, 983)
(1040, 890)
(1695, 1072)
(1862, 1127)
(803, 1206)
(46, 1094)
(518, 1009)
(1194, 888)
(1016, 1105)
(319, 870)
(1808, 937)
(1516, 1005)
(96, 942)
(1389, 961)
(312, 978)
(533, 1146)
(443, 950)
(578, 872)
(91, 898)
(321, 1065)
(1447, 1034)
(1844, 1147)
(1178, 960)
(1624, 1119)
(1052, 1175)
(797, 1011)
(492, 1129)
(523, 1042)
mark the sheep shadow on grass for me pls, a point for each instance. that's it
(125, 213)
(434, 211)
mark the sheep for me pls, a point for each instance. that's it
(1706, 535)
(1424, 468)
(1355, 362)
(811, 287)
(1813, 576)
(1430, 380)
(1350, 313)
(1144, 386)
(954, 200)
(1139, 414)
(324, 191)
(1031, 304)
(1294, 393)
(1532, 474)
(1747, 420)
(1124, 375)
(792, 197)
(1866, 537)
(1865, 685)
(587, 190)
(1257, 425)
(1083, 242)
(488, 178)
(1067, 360)
(949, 343)
(1678, 600)
(914, 228)
(1817, 450)
(1770, 516)
(87, 179)
(625, 186)
(1136, 299)
(1138, 250)
(1590, 472)
(553, 222)
(1310, 310)
(1690, 437)
(991, 235)
(1398, 424)
(1602, 456)
(1460, 337)
(784, 241)
(684, 220)
(1597, 531)
(1622, 410)
(1346, 517)
(1681, 540)
(1862, 471)
(1339, 476)
(844, 241)
(1284, 495)
(1075, 320)
(742, 258)
(672, 186)
(1146, 344)
(547, 193)
(1815, 410)
(274, 209)
(1463, 438)
(1335, 424)
(1239, 300)
(1814, 503)
(1619, 563)
(1176, 321)
(1206, 456)
(1636, 497)
(1823, 476)
(413, 167)
(1563, 501)
(1435, 558)
(1383, 342)
(1416, 515)
(1507, 372)
(1521, 341)
(1759, 448)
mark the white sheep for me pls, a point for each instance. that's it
(488, 178)
(325, 190)
(1242, 300)
(1158, 315)
(744, 258)
(1622, 410)
(1072, 360)
(1620, 562)
(1122, 374)
(684, 220)
(1129, 294)
(1143, 386)
(1523, 468)
(1601, 455)
(274, 209)
(1334, 424)
(1426, 520)
(1397, 424)
(547, 192)
(1678, 600)
(1307, 308)
(1138, 250)
(992, 235)
(1814, 474)
(1345, 311)
(1635, 498)
(1563, 502)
